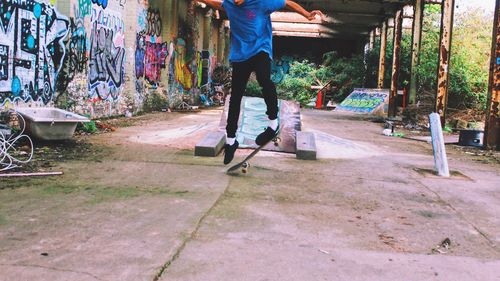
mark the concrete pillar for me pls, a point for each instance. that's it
(418, 19)
(492, 129)
(398, 35)
(205, 53)
(447, 12)
(227, 40)
(221, 42)
(207, 21)
(383, 47)
(175, 18)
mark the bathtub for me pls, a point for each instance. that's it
(50, 123)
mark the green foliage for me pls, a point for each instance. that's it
(297, 84)
(253, 89)
(87, 127)
(154, 101)
(469, 63)
(345, 73)
(468, 71)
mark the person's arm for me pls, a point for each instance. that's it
(215, 4)
(290, 5)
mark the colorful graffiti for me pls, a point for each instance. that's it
(31, 50)
(182, 71)
(107, 54)
(153, 24)
(140, 53)
(280, 68)
(365, 100)
(102, 3)
(84, 8)
(150, 53)
(154, 60)
(75, 60)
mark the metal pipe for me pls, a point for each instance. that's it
(371, 45)
(398, 34)
(418, 12)
(383, 47)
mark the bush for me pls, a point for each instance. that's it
(154, 101)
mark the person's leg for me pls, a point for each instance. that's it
(240, 75)
(263, 73)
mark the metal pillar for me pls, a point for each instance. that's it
(492, 129)
(447, 12)
(418, 20)
(371, 45)
(398, 35)
(383, 47)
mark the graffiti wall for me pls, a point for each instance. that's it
(151, 53)
(31, 50)
(107, 54)
(99, 57)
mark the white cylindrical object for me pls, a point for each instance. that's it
(440, 160)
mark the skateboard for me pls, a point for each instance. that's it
(245, 164)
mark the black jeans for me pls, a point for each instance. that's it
(261, 64)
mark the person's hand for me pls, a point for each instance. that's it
(239, 2)
(312, 15)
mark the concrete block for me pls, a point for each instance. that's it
(306, 146)
(210, 145)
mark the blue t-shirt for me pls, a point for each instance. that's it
(251, 30)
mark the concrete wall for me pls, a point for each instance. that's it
(101, 57)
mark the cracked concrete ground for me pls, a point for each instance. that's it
(146, 209)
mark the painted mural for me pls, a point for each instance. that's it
(107, 55)
(75, 61)
(371, 101)
(151, 53)
(81, 61)
(31, 50)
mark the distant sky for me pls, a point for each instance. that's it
(488, 5)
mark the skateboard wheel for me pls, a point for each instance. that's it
(244, 167)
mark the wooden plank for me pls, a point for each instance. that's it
(41, 174)
(306, 146)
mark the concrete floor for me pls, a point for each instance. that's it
(144, 208)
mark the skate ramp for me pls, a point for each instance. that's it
(253, 120)
(367, 101)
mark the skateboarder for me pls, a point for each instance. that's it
(251, 50)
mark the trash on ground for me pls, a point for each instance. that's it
(443, 247)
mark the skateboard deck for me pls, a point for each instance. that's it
(244, 164)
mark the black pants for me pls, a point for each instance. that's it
(261, 64)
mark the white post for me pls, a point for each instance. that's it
(440, 160)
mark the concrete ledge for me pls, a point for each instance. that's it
(210, 145)
(306, 146)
